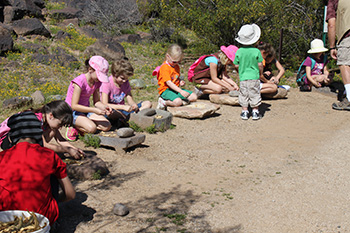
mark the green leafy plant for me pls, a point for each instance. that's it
(178, 219)
(97, 175)
(135, 126)
(151, 129)
(91, 140)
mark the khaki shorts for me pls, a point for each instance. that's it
(249, 93)
(343, 52)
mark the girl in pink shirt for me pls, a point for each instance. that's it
(88, 119)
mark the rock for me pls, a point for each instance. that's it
(233, 93)
(194, 110)
(125, 132)
(61, 35)
(31, 26)
(120, 209)
(38, 48)
(17, 102)
(66, 13)
(56, 97)
(223, 99)
(107, 48)
(86, 168)
(17, 9)
(122, 143)
(92, 32)
(38, 97)
(6, 41)
(147, 117)
(131, 38)
(137, 83)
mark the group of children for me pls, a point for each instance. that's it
(28, 133)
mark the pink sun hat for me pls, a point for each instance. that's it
(100, 65)
(230, 51)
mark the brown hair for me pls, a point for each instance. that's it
(122, 67)
(60, 110)
(267, 48)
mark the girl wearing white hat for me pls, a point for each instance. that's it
(317, 74)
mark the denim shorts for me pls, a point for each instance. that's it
(128, 113)
(76, 114)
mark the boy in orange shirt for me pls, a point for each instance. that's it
(170, 91)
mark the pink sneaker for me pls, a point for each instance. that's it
(72, 134)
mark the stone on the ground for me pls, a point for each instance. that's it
(107, 48)
(38, 97)
(147, 117)
(223, 99)
(137, 83)
(6, 41)
(17, 102)
(125, 132)
(194, 110)
(122, 143)
(86, 168)
(120, 209)
(31, 26)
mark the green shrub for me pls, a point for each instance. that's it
(91, 140)
(135, 126)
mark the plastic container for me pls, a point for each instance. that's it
(8, 215)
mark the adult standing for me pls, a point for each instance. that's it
(210, 76)
(338, 18)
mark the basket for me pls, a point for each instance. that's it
(8, 215)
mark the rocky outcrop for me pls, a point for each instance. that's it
(32, 26)
(6, 41)
(107, 48)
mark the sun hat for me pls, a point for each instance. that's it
(100, 65)
(25, 125)
(230, 51)
(248, 34)
(317, 46)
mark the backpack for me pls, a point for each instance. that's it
(191, 73)
(302, 71)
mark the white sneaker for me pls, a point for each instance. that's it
(287, 87)
(255, 115)
(161, 104)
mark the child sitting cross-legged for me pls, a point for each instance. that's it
(170, 91)
(117, 90)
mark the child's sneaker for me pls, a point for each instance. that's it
(161, 104)
(244, 115)
(72, 134)
(255, 115)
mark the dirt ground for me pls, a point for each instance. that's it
(288, 172)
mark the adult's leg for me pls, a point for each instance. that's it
(268, 88)
(345, 73)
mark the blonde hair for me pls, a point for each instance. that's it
(122, 67)
(223, 58)
(175, 51)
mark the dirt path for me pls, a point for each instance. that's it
(288, 172)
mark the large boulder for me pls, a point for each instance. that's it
(31, 26)
(17, 9)
(6, 41)
(194, 110)
(107, 48)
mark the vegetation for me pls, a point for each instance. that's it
(91, 140)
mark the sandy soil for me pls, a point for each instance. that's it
(288, 172)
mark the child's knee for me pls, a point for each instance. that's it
(193, 97)
(177, 102)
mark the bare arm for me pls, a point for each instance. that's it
(308, 75)
(105, 101)
(173, 87)
(280, 71)
(68, 190)
(331, 37)
(215, 79)
(75, 102)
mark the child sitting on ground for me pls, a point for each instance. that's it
(170, 91)
(52, 116)
(87, 119)
(26, 169)
(248, 62)
(117, 89)
(315, 65)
